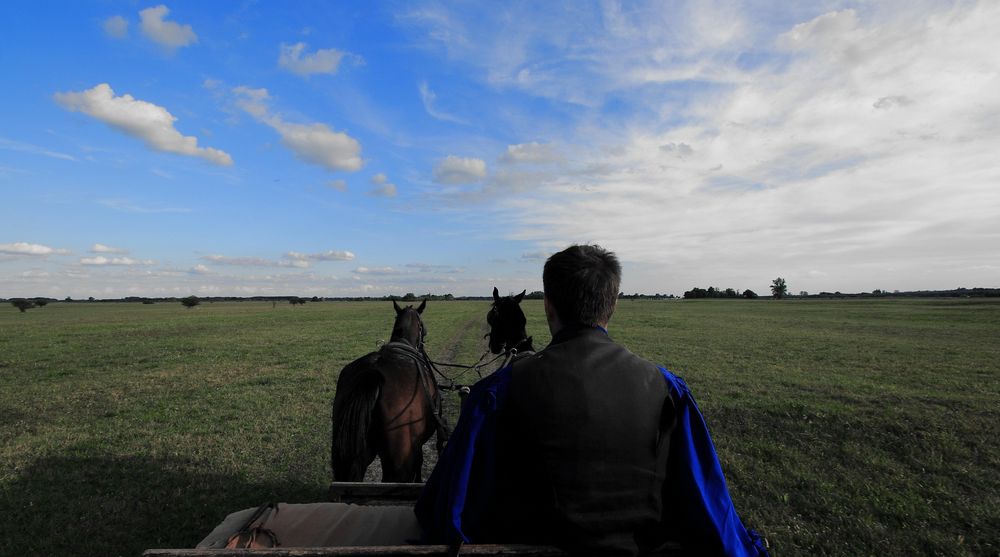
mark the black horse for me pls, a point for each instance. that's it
(507, 325)
(387, 405)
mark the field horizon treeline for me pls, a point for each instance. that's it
(695, 292)
(845, 427)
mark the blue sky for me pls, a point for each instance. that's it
(224, 148)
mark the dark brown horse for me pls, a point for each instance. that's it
(507, 325)
(386, 405)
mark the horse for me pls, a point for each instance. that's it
(507, 326)
(387, 404)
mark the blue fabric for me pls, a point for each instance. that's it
(454, 504)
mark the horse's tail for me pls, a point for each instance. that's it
(358, 391)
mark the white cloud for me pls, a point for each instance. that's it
(339, 185)
(382, 271)
(384, 187)
(848, 152)
(312, 143)
(530, 153)
(101, 248)
(118, 261)
(200, 269)
(325, 61)
(240, 261)
(165, 33)
(24, 248)
(385, 190)
(329, 255)
(427, 96)
(22, 147)
(151, 123)
(458, 170)
(318, 144)
(116, 27)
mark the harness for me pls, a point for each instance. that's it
(427, 368)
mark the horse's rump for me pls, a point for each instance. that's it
(358, 391)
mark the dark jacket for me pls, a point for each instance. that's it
(582, 445)
(566, 448)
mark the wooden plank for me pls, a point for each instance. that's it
(368, 493)
(366, 551)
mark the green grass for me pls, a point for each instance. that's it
(845, 427)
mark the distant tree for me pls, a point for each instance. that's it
(315, 298)
(68, 299)
(538, 295)
(778, 288)
(90, 299)
(409, 297)
(749, 294)
(803, 293)
(190, 301)
(23, 305)
(295, 300)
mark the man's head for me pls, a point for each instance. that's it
(581, 286)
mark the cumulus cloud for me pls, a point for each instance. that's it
(116, 27)
(27, 249)
(458, 170)
(168, 34)
(294, 59)
(151, 123)
(383, 188)
(101, 248)
(530, 153)
(117, 261)
(428, 97)
(318, 144)
(200, 269)
(313, 143)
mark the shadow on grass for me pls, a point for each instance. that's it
(122, 506)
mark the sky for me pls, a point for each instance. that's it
(372, 148)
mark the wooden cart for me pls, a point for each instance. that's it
(365, 493)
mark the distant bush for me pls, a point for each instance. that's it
(190, 301)
(23, 305)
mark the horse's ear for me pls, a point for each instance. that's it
(496, 294)
(397, 308)
(420, 308)
(519, 297)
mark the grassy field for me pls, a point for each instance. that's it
(846, 427)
